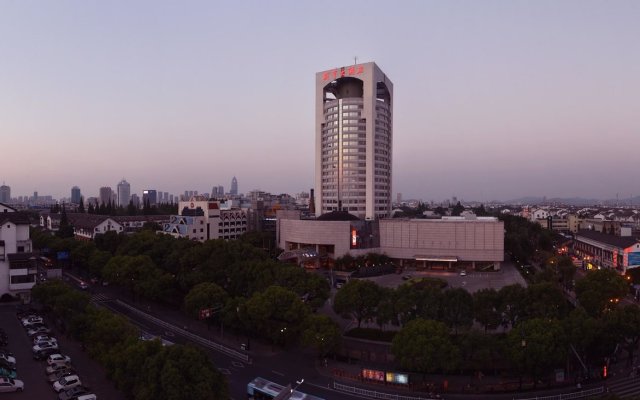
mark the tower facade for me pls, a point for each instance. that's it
(354, 132)
(124, 193)
(5, 194)
(234, 187)
(105, 195)
(75, 195)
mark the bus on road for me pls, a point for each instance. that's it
(263, 389)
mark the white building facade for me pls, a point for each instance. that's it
(354, 109)
(17, 263)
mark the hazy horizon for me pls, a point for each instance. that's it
(494, 100)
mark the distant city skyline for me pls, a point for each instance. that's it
(494, 100)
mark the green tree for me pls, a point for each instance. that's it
(204, 295)
(486, 306)
(180, 372)
(545, 300)
(457, 309)
(600, 291)
(357, 299)
(624, 324)
(415, 300)
(457, 209)
(536, 346)
(277, 313)
(386, 310)
(512, 304)
(81, 205)
(425, 346)
(65, 230)
(322, 334)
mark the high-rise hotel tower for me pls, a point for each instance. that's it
(354, 132)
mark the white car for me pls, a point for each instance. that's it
(9, 359)
(66, 383)
(32, 320)
(11, 385)
(45, 346)
(90, 396)
(463, 273)
(58, 359)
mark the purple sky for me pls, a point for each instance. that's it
(493, 100)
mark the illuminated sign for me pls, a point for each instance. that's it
(342, 72)
(354, 238)
(373, 375)
(393, 377)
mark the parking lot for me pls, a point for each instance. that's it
(32, 372)
(472, 282)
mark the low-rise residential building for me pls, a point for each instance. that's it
(203, 219)
(18, 269)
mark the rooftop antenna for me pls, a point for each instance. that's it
(355, 60)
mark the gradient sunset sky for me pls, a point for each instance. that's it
(493, 99)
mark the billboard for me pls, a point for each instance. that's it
(634, 259)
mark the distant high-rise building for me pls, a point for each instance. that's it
(234, 187)
(105, 194)
(5, 194)
(124, 193)
(354, 109)
(150, 196)
(312, 202)
(171, 198)
(165, 198)
(221, 191)
(399, 198)
(35, 197)
(135, 199)
(75, 195)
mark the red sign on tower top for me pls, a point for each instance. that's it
(342, 72)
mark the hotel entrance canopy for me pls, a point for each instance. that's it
(436, 259)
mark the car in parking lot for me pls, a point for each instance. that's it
(43, 342)
(60, 374)
(11, 385)
(8, 373)
(57, 358)
(45, 346)
(42, 336)
(463, 272)
(8, 358)
(43, 354)
(31, 321)
(57, 367)
(6, 365)
(89, 396)
(73, 393)
(66, 383)
(38, 330)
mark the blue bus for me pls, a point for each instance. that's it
(263, 389)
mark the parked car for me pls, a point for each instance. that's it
(32, 321)
(57, 358)
(43, 354)
(7, 358)
(60, 374)
(38, 330)
(42, 336)
(8, 373)
(45, 346)
(463, 272)
(11, 385)
(66, 383)
(45, 341)
(6, 365)
(73, 393)
(89, 396)
(56, 368)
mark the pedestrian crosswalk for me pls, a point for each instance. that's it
(100, 298)
(626, 387)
